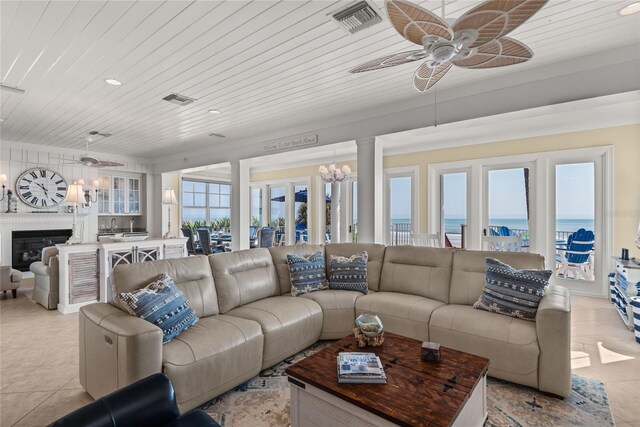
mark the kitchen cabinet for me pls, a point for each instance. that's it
(120, 195)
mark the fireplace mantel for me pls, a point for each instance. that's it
(36, 221)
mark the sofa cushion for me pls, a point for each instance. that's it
(307, 273)
(512, 292)
(374, 251)
(417, 270)
(242, 277)
(279, 257)
(468, 275)
(338, 312)
(192, 275)
(510, 344)
(289, 324)
(214, 355)
(402, 314)
(162, 304)
(47, 253)
(39, 267)
(349, 273)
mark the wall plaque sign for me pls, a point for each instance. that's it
(295, 142)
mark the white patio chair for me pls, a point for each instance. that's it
(427, 239)
(501, 243)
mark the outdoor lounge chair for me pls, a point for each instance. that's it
(574, 257)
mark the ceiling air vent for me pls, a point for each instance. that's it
(176, 98)
(102, 134)
(357, 17)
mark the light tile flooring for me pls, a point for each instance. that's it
(39, 360)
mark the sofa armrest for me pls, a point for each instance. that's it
(116, 349)
(553, 327)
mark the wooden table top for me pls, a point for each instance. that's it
(416, 393)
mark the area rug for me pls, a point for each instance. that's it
(264, 401)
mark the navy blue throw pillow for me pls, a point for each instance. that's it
(163, 304)
(512, 292)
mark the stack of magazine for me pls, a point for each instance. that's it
(360, 368)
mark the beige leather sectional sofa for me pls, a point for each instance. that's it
(250, 321)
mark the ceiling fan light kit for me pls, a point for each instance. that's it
(475, 40)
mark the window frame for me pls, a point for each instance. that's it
(208, 199)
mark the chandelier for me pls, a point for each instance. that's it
(334, 174)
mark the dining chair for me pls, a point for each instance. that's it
(266, 237)
(205, 240)
(191, 241)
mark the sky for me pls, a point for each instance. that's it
(574, 193)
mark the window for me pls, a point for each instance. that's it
(206, 202)
(400, 209)
(256, 206)
(277, 208)
(453, 196)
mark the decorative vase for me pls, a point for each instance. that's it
(369, 324)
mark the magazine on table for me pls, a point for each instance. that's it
(360, 368)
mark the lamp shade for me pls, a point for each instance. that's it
(169, 197)
(75, 193)
(3, 178)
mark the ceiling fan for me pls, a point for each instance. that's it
(475, 40)
(92, 162)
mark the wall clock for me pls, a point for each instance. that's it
(41, 188)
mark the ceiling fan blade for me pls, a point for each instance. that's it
(425, 77)
(498, 53)
(496, 18)
(104, 164)
(414, 22)
(389, 61)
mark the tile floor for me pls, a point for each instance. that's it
(39, 360)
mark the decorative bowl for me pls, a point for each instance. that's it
(370, 325)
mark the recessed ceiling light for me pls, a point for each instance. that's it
(630, 9)
(113, 82)
(213, 111)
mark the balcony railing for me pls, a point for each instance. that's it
(401, 233)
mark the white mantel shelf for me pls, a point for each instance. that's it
(39, 217)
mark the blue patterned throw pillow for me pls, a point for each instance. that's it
(163, 304)
(349, 274)
(512, 292)
(307, 273)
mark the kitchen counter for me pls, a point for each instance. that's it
(85, 268)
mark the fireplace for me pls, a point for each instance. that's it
(26, 246)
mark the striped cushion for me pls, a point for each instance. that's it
(349, 273)
(512, 292)
(307, 273)
(161, 303)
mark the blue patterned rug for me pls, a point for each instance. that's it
(264, 401)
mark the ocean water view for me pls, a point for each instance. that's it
(452, 225)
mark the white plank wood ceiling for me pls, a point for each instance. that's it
(264, 64)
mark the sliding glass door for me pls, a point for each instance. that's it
(550, 203)
(508, 213)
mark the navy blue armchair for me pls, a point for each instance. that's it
(150, 402)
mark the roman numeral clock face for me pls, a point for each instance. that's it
(41, 188)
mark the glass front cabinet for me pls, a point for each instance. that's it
(119, 195)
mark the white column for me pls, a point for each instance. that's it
(370, 191)
(319, 212)
(240, 205)
(335, 211)
(290, 214)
